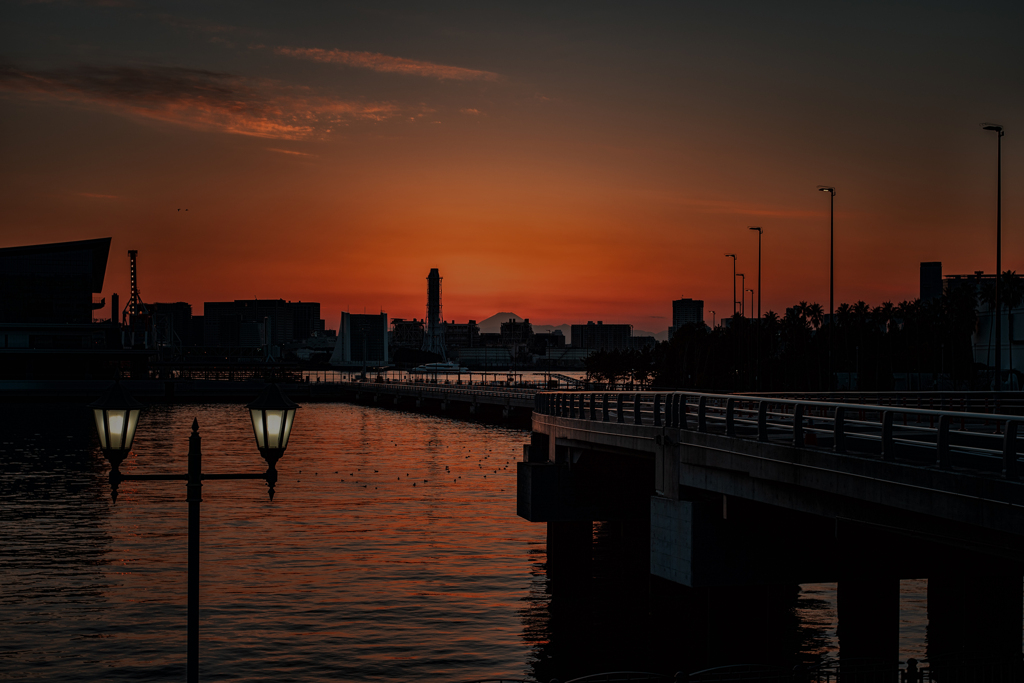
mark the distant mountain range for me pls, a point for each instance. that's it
(492, 325)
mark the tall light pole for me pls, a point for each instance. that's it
(831, 268)
(760, 231)
(757, 348)
(743, 296)
(713, 317)
(998, 130)
(733, 257)
(751, 300)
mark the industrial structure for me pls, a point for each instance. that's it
(433, 339)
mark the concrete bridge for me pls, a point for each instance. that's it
(732, 491)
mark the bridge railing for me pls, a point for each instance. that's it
(999, 402)
(438, 389)
(944, 438)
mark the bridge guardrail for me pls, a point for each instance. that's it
(944, 438)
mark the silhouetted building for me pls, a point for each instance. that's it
(46, 314)
(642, 342)
(52, 283)
(685, 312)
(362, 340)
(931, 280)
(407, 334)
(491, 340)
(602, 337)
(462, 335)
(547, 340)
(250, 323)
(172, 325)
(515, 332)
(306, 320)
(433, 339)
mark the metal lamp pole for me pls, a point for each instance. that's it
(831, 268)
(757, 371)
(117, 415)
(998, 130)
(743, 295)
(733, 257)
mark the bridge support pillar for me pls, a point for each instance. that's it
(973, 616)
(569, 548)
(869, 622)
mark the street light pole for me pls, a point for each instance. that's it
(831, 270)
(760, 231)
(743, 296)
(733, 256)
(757, 329)
(998, 130)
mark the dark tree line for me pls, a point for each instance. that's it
(791, 352)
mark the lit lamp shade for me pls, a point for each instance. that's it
(272, 416)
(117, 416)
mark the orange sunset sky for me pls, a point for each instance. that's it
(568, 162)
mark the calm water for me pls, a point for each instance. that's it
(392, 551)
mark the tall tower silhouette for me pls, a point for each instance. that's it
(433, 339)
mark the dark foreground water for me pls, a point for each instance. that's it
(392, 551)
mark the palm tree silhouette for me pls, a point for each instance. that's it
(815, 314)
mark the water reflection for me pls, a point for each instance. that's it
(391, 551)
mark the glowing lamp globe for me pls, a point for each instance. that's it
(117, 416)
(272, 416)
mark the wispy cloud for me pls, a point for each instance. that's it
(195, 98)
(388, 64)
(288, 151)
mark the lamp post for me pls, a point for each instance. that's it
(757, 347)
(733, 257)
(713, 318)
(117, 416)
(831, 264)
(998, 130)
(743, 296)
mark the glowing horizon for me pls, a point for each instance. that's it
(564, 166)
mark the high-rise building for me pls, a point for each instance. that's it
(685, 312)
(931, 280)
(433, 339)
(362, 341)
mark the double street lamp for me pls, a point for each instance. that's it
(117, 417)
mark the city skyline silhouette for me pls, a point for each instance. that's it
(564, 164)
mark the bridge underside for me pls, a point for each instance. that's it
(717, 511)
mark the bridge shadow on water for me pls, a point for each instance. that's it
(596, 608)
(605, 612)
